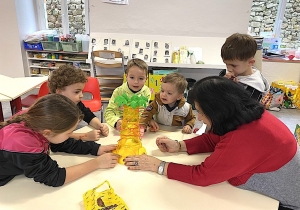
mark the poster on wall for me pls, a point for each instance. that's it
(121, 45)
(161, 52)
(141, 49)
(100, 43)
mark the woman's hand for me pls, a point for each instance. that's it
(187, 129)
(93, 135)
(167, 145)
(104, 129)
(106, 149)
(153, 126)
(108, 160)
(142, 162)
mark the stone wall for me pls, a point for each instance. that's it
(263, 16)
(75, 14)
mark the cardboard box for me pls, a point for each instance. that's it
(155, 84)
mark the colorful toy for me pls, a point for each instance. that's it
(130, 141)
(105, 200)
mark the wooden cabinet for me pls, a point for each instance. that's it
(43, 62)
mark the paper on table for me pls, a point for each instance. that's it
(202, 129)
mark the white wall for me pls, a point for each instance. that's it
(17, 19)
(211, 46)
(198, 18)
(194, 18)
(274, 71)
(27, 23)
(11, 63)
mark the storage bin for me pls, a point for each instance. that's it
(33, 46)
(51, 46)
(71, 46)
(163, 70)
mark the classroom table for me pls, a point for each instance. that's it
(3, 98)
(141, 190)
(14, 88)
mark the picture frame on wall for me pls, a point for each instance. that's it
(141, 49)
(121, 45)
(161, 52)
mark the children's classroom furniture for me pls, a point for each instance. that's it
(139, 189)
(14, 88)
(42, 62)
(3, 99)
(92, 87)
(30, 99)
(113, 61)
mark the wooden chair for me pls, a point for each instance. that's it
(108, 82)
(30, 99)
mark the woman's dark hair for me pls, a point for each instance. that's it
(225, 103)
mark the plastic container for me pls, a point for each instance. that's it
(259, 42)
(71, 46)
(85, 43)
(297, 53)
(51, 46)
(33, 46)
(163, 70)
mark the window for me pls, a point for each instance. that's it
(64, 16)
(280, 17)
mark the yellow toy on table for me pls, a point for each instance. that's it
(130, 138)
(104, 200)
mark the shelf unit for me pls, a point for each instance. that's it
(39, 64)
(187, 66)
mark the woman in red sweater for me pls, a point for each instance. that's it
(245, 142)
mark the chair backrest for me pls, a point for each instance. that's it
(44, 90)
(92, 87)
(107, 54)
(107, 59)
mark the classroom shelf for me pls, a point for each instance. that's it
(59, 60)
(74, 57)
(59, 52)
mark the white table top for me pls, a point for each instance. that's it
(4, 98)
(140, 190)
(15, 87)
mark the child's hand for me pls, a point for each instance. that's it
(93, 135)
(231, 76)
(142, 130)
(106, 149)
(118, 126)
(108, 160)
(187, 129)
(121, 108)
(104, 130)
(153, 126)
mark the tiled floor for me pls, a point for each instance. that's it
(288, 116)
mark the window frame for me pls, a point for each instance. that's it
(42, 20)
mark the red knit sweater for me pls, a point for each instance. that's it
(263, 145)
